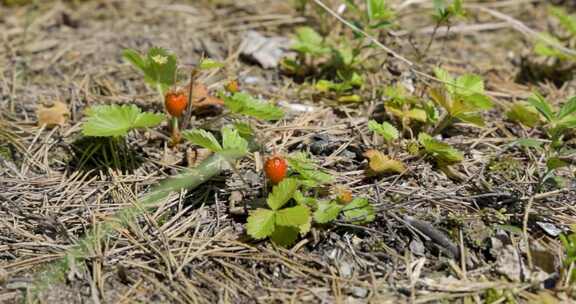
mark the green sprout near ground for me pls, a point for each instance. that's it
(462, 98)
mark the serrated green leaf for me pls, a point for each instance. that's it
(327, 212)
(243, 103)
(479, 102)
(135, 59)
(244, 129)
(308, 41)
(116, 120)
(260, 223)
(439, 150)
(542, 105)
(203, 138)
(232, 141)
(308, 171)
(568, 108)
(284, 235)
(524, 114)
(359, 211)
(207, 64)
(445, 77)
(304, 200)
(293, 216)
(386, 130)
(282, 193)
(378, 11)
(469, 84)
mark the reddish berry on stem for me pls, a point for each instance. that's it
(176, 102)
(276, 168)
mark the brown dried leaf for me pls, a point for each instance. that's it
(379, 163)
(52, 113)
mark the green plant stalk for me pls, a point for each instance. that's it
(79, 252)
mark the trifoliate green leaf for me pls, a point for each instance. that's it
(293, 216)
(439, 150)
(203, 138)
(308, 41)
(232, 142)
(308, 171)
(159, 67)
(386, 130)
(469, 84)
(243, 103)
(359, 211)
(244, 129)
(282, 193)
(327, 212)
(284, 235)
(524, 114)
(116, 120)
(542, 105)
(260, 223)
(207, 64)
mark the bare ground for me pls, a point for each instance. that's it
(193, 249)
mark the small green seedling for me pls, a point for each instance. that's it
(462, 98)
(407, 108)
(335, 64)
(158, 66)
(384, 129)
(443, 153)
(557, 122)
(568, 24)
(282, 225)
(233, 144)
(445, 11)
(377, 15)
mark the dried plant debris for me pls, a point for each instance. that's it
(426, 152)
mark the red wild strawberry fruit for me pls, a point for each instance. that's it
(176, 102)
(276, 168)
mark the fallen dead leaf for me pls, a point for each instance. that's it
(379, 163)
(52, 113)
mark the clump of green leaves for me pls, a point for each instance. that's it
(245, 104)
(358, 211)
(306, 171)
(384, 129)
(568, 25)
(117, 120)
(462, 98)
(443, 153)
(557, 122)
(445, 11)
(158, 66)
(377, 15)
(407, 108)
(233, 145)
(335, 64)
(282, 225)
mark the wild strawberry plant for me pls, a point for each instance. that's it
(462, 99)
